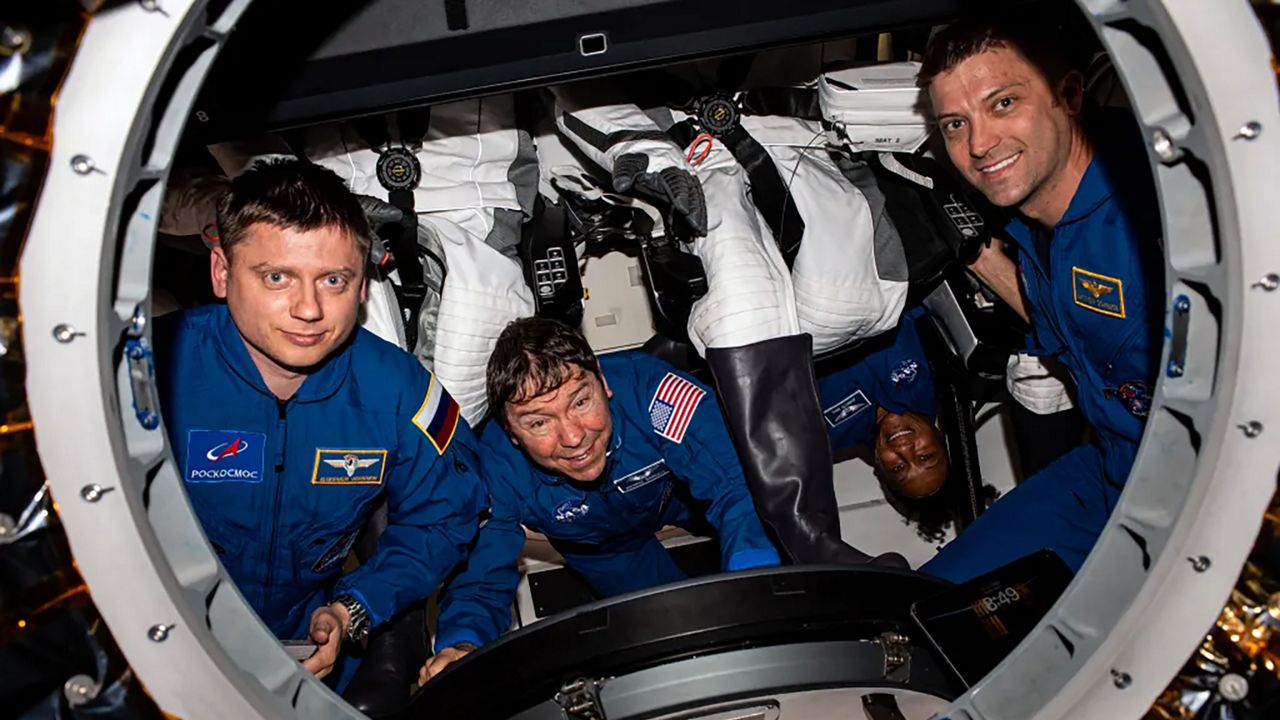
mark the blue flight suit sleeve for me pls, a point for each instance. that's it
(475, 606)
(707, 461)
(434, 499)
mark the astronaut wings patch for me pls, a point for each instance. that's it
(672, 407)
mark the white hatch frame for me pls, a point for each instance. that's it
(1199, 77)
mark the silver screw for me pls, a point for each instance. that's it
(1121, 679)
(151, 5)
(64, 333)
(1251, 429)
(159, 633)
(1233, 687)
(138, 323)
(80, 689)
(93, 492)
(1182, 304)
(1199, 563)
(82, 164)
(1268, 282)
(1163, 145)
(7, 525)
(1249, 131)
(15, 39)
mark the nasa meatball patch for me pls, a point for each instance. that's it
(217, 456)
(349, 467)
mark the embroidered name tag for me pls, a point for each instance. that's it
(644, 476)
(349, 467)
(1098, 293)
(846, 408)
(215, 456)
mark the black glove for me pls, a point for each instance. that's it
(678, 191)
(380, 214)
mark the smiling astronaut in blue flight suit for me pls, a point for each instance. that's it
(885, 400)
(1088, 264)
(597, 455)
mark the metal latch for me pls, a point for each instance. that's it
(897, 656)
(580, 699)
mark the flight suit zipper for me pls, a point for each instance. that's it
(282, 439)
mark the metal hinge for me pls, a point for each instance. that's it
(580, 699)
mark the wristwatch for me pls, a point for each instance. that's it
(358, 627)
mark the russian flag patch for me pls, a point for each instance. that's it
(438, 416)
(672, 407)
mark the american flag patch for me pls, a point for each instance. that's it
(438, 416)
(671, 409)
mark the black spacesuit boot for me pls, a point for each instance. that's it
(388, 672)
(771, 406)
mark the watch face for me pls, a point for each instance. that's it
(719, 114)
(398, 169)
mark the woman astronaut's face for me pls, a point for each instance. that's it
(567, 430)
(911, 454)
(294, 295)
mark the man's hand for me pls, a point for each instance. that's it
(677, 189)
(443, 659)
(998, 272)
(328, 630)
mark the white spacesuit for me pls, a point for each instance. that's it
(477, 178)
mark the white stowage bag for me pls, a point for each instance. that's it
(1034, 384)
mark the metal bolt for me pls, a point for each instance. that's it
(151, 5)
(1269, 282)
(1163, 145)
(149, 420)
(1175, 369)
(64, 333)
(1249, 130)
(159, 633)
(16, 40)
(94, 492)
(80, 689)
(1251, 429)
(138, 323)
(1233, 687)
(1121, 679)
(7, 525)
(1199, 563)
(1182, 304)
(83, 164)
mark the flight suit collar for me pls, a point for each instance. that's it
(1095, 188)
(319, 385)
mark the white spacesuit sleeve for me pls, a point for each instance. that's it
(1033, 384)
(606, 127)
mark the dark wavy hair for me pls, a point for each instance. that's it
(1033, 38)
(534, 356)
(292, 194)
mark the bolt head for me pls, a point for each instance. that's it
(159, 633)
(82, 164)
(1182, 304)
(1268, 282)
(1233, 687)
(1163, 146)
(1200, 563)
(1250, 130)
(1251, 429)
(1121, 679)
(1175, 369)
(91, 493)
(80, 689)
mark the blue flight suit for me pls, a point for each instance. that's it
(891, 372)
(283, 487)
(671, 462)
(1094, 287)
